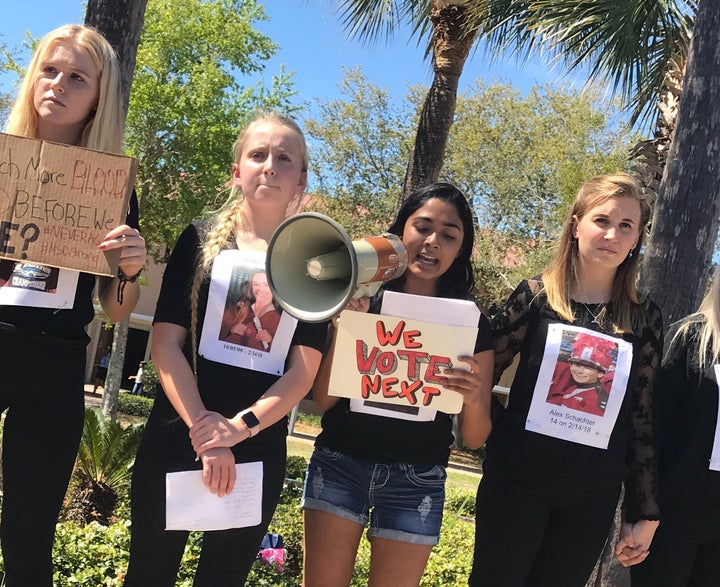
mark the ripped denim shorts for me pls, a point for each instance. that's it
(400, 501)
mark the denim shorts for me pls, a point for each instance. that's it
(400, 501)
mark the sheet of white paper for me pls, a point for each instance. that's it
(189, 505)
(432, 310)
(575, 424)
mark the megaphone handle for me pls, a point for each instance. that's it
(367, 289)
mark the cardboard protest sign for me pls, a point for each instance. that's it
(57, 203)
(398, 360)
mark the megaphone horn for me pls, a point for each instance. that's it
(314, 268)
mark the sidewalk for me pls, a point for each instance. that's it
(92, 401)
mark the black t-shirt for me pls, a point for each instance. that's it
(562, 466)
(687, 408)
(226, 389)
(67, 324)
(382, 439)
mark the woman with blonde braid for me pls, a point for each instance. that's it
(216, 412)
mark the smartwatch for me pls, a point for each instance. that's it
(250, 422)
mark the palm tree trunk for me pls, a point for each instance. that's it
(121, 22)
(678, 258)
(451, 46)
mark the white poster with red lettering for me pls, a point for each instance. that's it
(398, 362)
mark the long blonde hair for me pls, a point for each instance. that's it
(562, 275)
(708, 315)
(104, 129)
(217, 238)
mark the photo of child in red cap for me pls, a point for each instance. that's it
(583, 382)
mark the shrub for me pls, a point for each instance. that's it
(97, 556)
(103, 467)
(151, 381)
(134, 405)
(460, 502)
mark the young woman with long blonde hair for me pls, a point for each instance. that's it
(71, 94)
(553, 473)
(686, 547)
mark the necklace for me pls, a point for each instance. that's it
(596, 317)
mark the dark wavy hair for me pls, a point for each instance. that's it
(458, 281)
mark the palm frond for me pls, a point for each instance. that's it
(627, 44)
(107, 450)
(371, 21)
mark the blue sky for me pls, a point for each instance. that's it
(312, 45)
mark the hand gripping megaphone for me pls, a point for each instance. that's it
(314, 269)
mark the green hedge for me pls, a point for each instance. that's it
(96, 556)
(134, 405)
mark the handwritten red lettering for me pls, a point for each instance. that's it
(408, 391)
(386, 363)
(387, 387)
(432, 374)
(428, 394)
(365, 362)
(409, 339)
(414, 359)
(384, 337)
(369, 385)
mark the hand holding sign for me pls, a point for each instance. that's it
(131, 246)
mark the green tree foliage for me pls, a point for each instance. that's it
(8, 64)
(189, 99)
(522, 158)
(519, 158)
(360, 145)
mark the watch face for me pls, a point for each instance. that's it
(250, 420)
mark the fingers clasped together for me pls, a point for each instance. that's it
(212, 435)
(633, 547)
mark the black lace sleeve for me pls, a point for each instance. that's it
(510, 325)
(641, 485)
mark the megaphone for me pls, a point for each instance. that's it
(314, 269)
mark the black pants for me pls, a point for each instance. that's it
(42, 390)
(155, 553)
(685, 552)
(528, 538)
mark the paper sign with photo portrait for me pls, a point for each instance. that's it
(36, 286)
(580, 405)
(242, 326)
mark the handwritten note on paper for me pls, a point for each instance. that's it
(189, 505)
